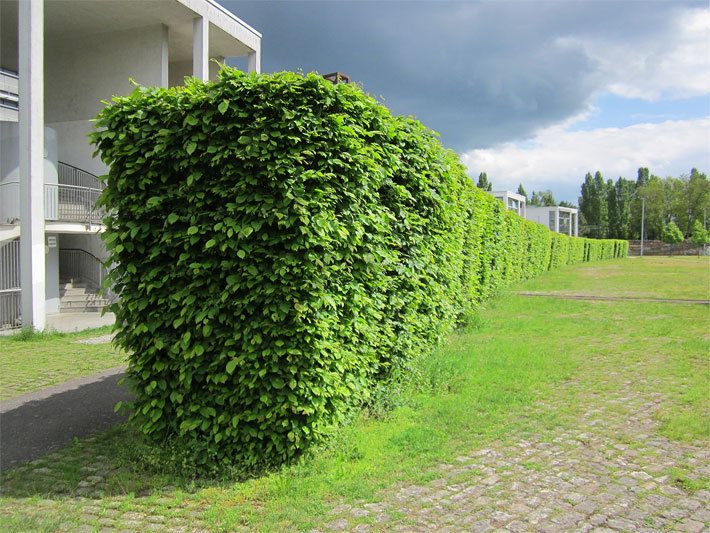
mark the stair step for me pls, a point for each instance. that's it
(81, 298)
(74, 292)
(92, 309)
(98, 304)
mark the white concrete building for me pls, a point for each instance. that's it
(58, 60)
(512, 201)
(560, 219)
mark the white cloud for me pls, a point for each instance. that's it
(556, 158)
(675, 64)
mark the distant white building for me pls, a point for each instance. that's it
(560, 219)
(58, 60)
(512, 201)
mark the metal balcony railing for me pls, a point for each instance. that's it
(10, 299)
(72, 199)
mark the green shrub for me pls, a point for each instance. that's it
(700, 235)
(285, 249)
(671, 234)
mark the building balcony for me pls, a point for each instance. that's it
(72, 199)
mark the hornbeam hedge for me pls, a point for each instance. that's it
(283, 247)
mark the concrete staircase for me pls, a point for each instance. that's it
(76, 296)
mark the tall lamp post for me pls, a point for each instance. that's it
(643, 217)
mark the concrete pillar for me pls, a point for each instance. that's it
(165, 59)
(31, 117)
(254, 61)
(200, 48)
(557, 220)
(576, 224)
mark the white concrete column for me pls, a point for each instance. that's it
(164, 58)
(576, 224)
(254, 61)
(31, 115)
(200, 48)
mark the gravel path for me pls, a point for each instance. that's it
(606, 471)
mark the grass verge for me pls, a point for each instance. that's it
(524, 366)
(33, 361)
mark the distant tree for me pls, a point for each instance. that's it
(593, 206)
(483, 182)
(619, 207)
(700, 235)
(613, 210)
(521, 192)
(655, 194)
(671, 234)
(565, 203)
(642, 177)
(543, 199)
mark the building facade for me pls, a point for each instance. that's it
(560, 219)
(59, 60)
(512, 201)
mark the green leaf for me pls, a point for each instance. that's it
(192, 230)
(172, 218)
(223, 106)
(190, 148)
(231, 365)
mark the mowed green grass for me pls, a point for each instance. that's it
(478, 390)
(647, 277)
(36, 361)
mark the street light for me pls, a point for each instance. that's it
(643, 216)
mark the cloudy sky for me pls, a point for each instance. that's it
(538, 92)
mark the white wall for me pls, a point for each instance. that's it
(91, 243)
(51, 277)
(177, 72)
(179, 69)
(79, 73)
(540, 215)
(8, 115)
(73, 146)
(10, 170)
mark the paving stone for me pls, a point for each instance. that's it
(621, 524)
(690, 526)
(337, 525)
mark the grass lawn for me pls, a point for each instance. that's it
(522, 367)
(651, 277)
(36, 361)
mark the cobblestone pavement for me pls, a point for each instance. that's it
(604, 467)
(102, 339)
(608, 470)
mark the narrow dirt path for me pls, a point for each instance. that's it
(564, 296)
(607, 470)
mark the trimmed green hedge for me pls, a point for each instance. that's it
(285, 246)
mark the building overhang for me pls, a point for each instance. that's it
(75, 19)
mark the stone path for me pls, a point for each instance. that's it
(604, 467)
(102, 339)
(607, 471)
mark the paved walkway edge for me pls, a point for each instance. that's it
(43, 394)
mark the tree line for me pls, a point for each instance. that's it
(675, 208)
